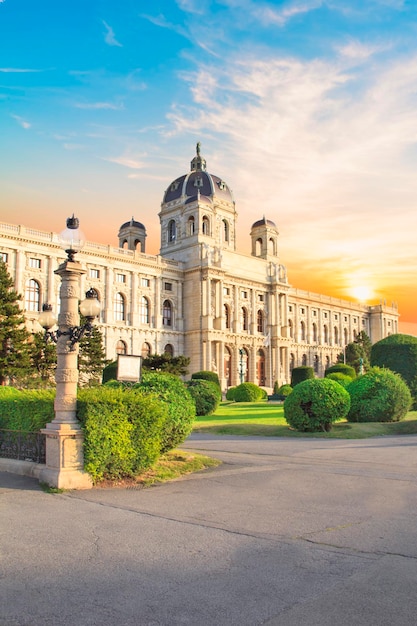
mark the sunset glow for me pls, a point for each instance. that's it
(312, 122)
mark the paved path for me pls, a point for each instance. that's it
(286, 532)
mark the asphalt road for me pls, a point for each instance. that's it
(286, 532)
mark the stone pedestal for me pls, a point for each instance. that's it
(64, 458)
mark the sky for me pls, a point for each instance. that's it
(306, 108)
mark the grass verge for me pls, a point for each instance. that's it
(267, 420)
(170, 466)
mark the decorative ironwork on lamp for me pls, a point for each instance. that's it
(89, 308)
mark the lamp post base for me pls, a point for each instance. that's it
(64, 458)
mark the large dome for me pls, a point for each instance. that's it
(198, 180)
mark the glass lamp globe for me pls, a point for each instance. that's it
(47, 318)
(72, 238)
(90, 307)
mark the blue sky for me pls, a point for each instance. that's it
(307, 108)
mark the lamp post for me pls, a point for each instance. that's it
(64, 437)
(241, 372)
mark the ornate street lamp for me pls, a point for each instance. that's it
(64, 437)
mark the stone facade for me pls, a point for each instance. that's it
(232, 313)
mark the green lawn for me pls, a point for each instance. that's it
(267, 420)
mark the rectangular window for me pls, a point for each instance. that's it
(302, 310)
(355, 319)
(244, 294)
(168, 286)
(4, 257)
(346, 318)
(120, 278)
(261, 297)
(314, 313)
(226, 291)
(336, 316)
(325, 316)
(145, 282)
(290, 308)
(94, 273)
(35, 263)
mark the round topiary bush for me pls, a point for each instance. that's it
(248, 392)
(206, 395)
(341, 368)
(181, 406)
(378, 396)
(315, 404)
(342, 379)
(284, 390)
(399, 354)
(298, 374)
(206, 375)
(230, 394)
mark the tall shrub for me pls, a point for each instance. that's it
(399, 354)
(206, 375)
(378, 396)
(315, 404)
(341, 368)
(181, 407)
(206, 395)
(298, 374)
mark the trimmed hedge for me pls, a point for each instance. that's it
(181, 406)
(249, 392)
(122, 430)
(109, 372)
(230, 393)
(378, 396)
(28, 410)
(206, 375)
(341, 368)
(298, 374)
(206, 395)
(315, 404)
(399, 354)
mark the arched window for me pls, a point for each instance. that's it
(121, 347)
(206, 225)
(327, 362)
(290, 329)
(169, 349)
(119, 307)
(226, 231)
(272, 247)
(32, 295)
(315, 332)
(302, 331)
(167, 313)
(292, 361)
(191, 225)
(144, 310)
(355, 334)
(260, 321)
(226, 316)
(172, 231)
(336, 336)
(316, 363)
(146, 350)
(258, 247)
(244, 319)
(243, 365)
(325, 334)
(304, 359)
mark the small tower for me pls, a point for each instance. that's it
(264, 235)
(131, 234)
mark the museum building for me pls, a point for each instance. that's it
(232, 313)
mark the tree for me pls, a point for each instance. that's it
(357, 350)
(177, 365)
(14, 346)
(91, 357)
(43, 357)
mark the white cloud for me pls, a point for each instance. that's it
(126, 162)
(109, 36)
(268, 15)
(23, 123)
(98, 105)
(17, 70)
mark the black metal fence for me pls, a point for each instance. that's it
(23, 446)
